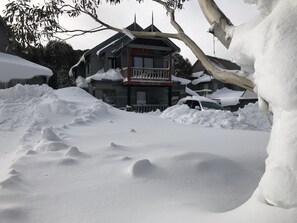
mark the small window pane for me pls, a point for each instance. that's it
(140, 97)
(148, 62)
(138, 62)
(109, 96)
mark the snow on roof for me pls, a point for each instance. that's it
(81, 60)
(14, 67)
(249, 95)
(197, 74)
(111, 74)
(191, 92)
(105, 47)
(180, 80)
(196, 97)
(227, 96)
(202, 79)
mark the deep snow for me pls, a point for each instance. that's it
(68, 157)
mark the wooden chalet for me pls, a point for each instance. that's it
(210, 85)
(146, 67)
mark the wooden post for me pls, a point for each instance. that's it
(129, 95)
(170, 66)
(169, 95)
(129, 63)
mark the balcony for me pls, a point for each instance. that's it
(141, 74)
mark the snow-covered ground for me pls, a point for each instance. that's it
(68, 157)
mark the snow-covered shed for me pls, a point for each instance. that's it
(16, 70)
(203, 83)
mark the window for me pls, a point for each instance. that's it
(147, 62)
(109, 96)
(88, 69)
(165, 64)
(138, 62)
(140, 97)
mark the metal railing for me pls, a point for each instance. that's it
(148, 108)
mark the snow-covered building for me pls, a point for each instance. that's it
(203, 83)
(16, 70)
(137, 72)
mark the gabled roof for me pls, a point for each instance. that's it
(222, 63)
(120, 40)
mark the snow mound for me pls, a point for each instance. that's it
(35, 106)
(51, 146)
(141, 168)
(248, 118)
(24, 92)
(252, 115)
(13, 182)
(74, 152)
(207, 173)
(49, 134)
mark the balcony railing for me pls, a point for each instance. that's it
(148, 74)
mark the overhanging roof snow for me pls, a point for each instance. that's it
(14, 67)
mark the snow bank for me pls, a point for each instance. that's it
(13, 67)
(247, 118)
(24, 105)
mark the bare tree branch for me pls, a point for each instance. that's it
(223, 75)
(217, 20)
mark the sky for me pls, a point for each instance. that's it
(190, 18)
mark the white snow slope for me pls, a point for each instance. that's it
(67, 157)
